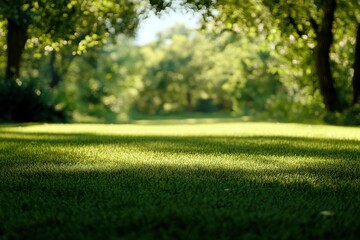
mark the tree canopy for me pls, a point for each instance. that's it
(54, 24)
(273, 59)
(316, 27)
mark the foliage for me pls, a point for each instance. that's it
(250, 58)
(174, 80)
(25, 102)
(2, 44)
(105, 82)
(350, 117)
(298, 28)
(224, 72)
(53, 25)
(207, 181)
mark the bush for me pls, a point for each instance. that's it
(350, 117)
(206, 106)
(24, 102)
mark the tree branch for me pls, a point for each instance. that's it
(314, 24)
(293, 23)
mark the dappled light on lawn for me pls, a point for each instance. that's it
(221, 180)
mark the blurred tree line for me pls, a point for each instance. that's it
(271, 60)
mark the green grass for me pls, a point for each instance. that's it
(199, 181)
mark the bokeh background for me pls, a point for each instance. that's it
(118, 61)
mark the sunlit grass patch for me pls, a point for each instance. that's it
(220, 180)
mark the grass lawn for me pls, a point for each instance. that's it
(174, 181)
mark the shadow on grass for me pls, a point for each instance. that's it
(152, 202)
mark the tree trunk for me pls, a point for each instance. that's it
(16, 39)
(188, 100)
(356, 77)
(55, 77)
(324, 41)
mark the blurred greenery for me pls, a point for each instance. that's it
(256, 59)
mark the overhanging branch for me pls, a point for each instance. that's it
(314, 24)
(295, 26)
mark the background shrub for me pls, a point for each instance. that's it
(25, 102)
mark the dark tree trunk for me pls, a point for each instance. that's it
(356, 77)
(188, 100)
(324, 41)
(55, 77)
(59, 64)
(16, 39)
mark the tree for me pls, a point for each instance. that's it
(356, 77)
(57, 23)
(323, 21)
(313, 20)
(174, 76)
(199, 71)
(104, 82)
(324, 38)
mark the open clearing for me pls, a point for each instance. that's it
(195, 181)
